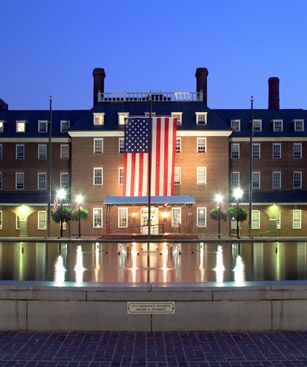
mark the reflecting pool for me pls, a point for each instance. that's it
(162, 262)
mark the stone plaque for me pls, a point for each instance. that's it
(150, 307)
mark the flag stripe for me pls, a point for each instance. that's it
(159, 159)
(166, 158)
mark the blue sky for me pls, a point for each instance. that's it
(51, 48)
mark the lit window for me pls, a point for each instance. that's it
(276, 151)
(65, 126)
(98, 176)
(1, 219)
(255, 219)
(20, 151)
(98, 118)
(20, 126)
(19, 180)
(297, 180)
(296, 219)
(235, 125)
(297, 150)
(1, 180)
(201, 145)
(298, 125)
(42, 126)
(277, 125)
(121, 175)
(256, 151)
(98, 146)
(176, 217)
(276, 180)
(122, 118)
(178, 116)
(64, 151)
(178, 145)
(201, 175)
(235, 179)
(122, 217)
(64, 180)
(257, 125)
(97, 217)
(42, 219)
(201, 118)
(235, 151)
(201, 217)
(121, 145)
(1, 126)
(41, 181)
(177, 176)
(42, 151)
(256, 180)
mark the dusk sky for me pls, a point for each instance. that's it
(51, 48)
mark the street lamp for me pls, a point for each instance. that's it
(61, 195)
(238, 193)
(79, 201)
(219, 200)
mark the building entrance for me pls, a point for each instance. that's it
(154, 214)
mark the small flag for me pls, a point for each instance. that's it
(55, 203)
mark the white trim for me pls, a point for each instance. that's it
(257, 220)
(24, 152)
(299, 220)
(301, 151)
(197, 210)
(180, 145)
(257, 173)
(277, 139)
(98, 114)
(45, 213)
(276, 144)
(119, 140)
(101, 216)
(94, 146)
(1, 219)
(279, 174)
(179, 122)
(38, 174)
(198, 146)
(38, 152)
(45, 122)
(61, 152)
(175, 225)
(258, 145)
(34, 140)
(179, 169)
(23, 174)
(119, 170)
(198, 169)
(94, 170)
(125, 210)
(123, 115)
(63, 173)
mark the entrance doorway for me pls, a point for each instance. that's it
(154, 214)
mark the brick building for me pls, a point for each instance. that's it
(213, 149)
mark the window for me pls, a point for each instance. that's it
(176, 217)
(122, 117)
(65, 126)
(177, 176)
(235, 179)
(296, 219)
(122, 217)
(178, 116)
(256, 151)
(276, 151)
(64, 151)
(98, 176)
(20, 151)
(1, 126)
(201, 175)
(278, 221)
(98, 146)
(41, 181)
(297, 150)
(121, 175)
(20, 126)
(298, 125)
(42, 126)
(41, 219)
(201, 145)
(98, 118)
(1, 151)
(1, 219)
(147, 114)
(276, 180)
(278, 125)
(201, 118)
(235, 151)
(297, 180)
(255, 219)
(1, 181)
(42, 151)
(256, 180)
(201, 217)
(178, 145)
(235, 125)
(19, 180)
(64, 180)
(97, 217)
(257, 125)
(121, 145)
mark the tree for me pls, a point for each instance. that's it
(216, 213)
(64, 213)
(241, 216)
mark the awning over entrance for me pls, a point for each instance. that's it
(155, 200)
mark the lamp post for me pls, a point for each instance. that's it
(61, 195)
(237, 193)
(79, 201)
(219, 200)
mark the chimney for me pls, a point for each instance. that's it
(273, 93)
(3, 106)
(201, 82)
(99, 75)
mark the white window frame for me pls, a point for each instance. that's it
(259, 150)
(64, 174)
(232, 175)
(98, 211)
(257, 125)
(200, 147)
(300, 175)
(278, 125)
(296, 219)
(237, 150)
(1, 219)
(63, 124)
(64, 156)
(198, 175)
(201, 118)
(178, 115)
(299, 125)
(20, 126)
(39, 153)
(256, 173)
(38, 176)
(176, 223)
(121, 118)
(178, 145)
(96, 169)
(44, 220)
(42, 123)
(121, 177)
(1, 126)
(22, 174)
(276, 145)
(256, 219)
(198, 216)
(23, 150)
(278, 174)
(122, 217)
(95, 150)
(178, 173)
(235, 124)
(98, 118)
(121, 145)
(300, 150)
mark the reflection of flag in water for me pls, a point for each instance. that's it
(141, 135)
(55, 203)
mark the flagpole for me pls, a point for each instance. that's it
(149, 186)
(49, 166)
(251, 170)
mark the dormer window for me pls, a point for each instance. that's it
(122, 117)
(98, 119)
(257, 125)
(178, 116)
(201, 118)
(298, 125)
(235, 125)
(278, 125)
(42, 126)
(1, 126)
(20, 126)
(65, 126)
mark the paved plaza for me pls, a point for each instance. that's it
(193, 349)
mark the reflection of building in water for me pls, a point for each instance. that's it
(133, 260)
(59, 270)
(301, 260)
(96, 252)
(257, 258)
(164, 261)
(79, 269)
(201, 255)
(239, 274)
(40, 260)
(219, 268)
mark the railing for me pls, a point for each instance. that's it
(151, 96)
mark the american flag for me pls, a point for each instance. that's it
(55, 203)
(142, 136)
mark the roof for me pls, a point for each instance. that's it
(24, 197)
(143, 200)
(276, 197)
